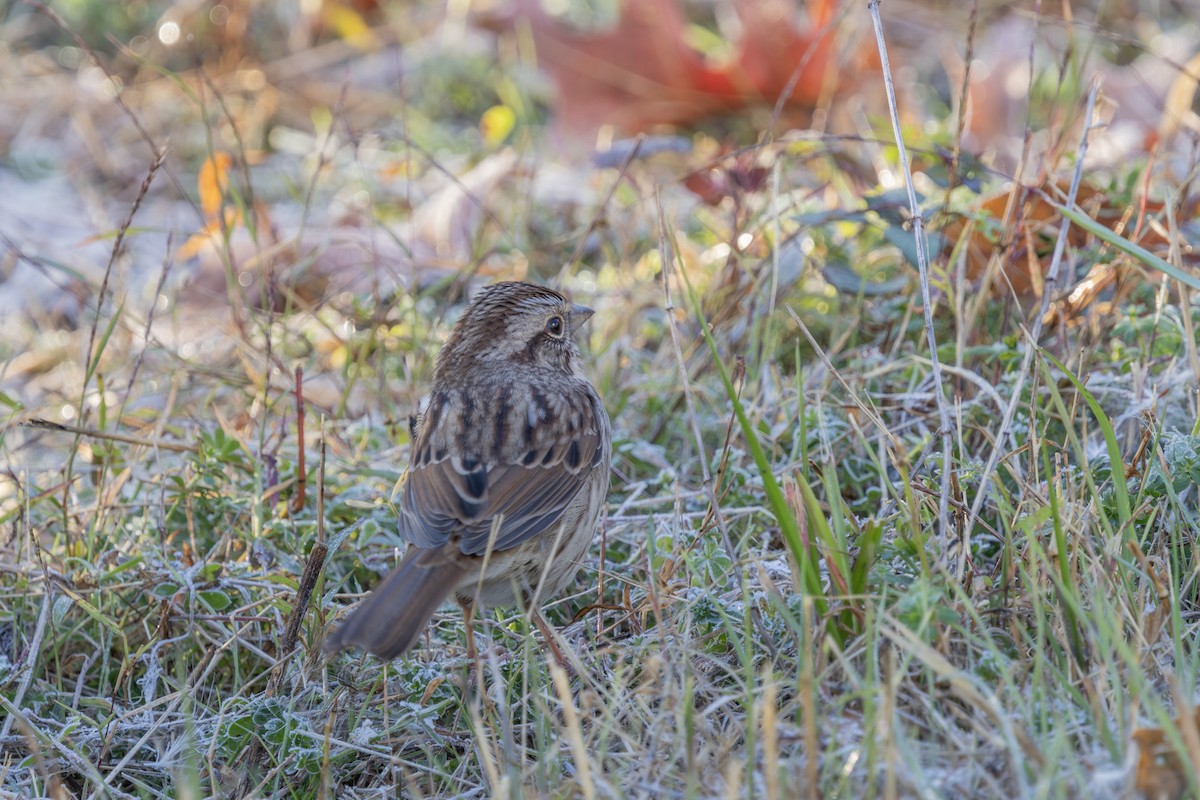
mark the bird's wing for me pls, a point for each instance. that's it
(466, 475)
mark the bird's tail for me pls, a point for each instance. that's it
(393, 616)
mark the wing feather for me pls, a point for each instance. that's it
(526, 476)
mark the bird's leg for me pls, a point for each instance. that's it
(548, 635)
(468, 609)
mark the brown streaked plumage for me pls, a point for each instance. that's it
(508, 470)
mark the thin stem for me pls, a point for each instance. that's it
(950, 549)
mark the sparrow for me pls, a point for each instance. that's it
(508, 472)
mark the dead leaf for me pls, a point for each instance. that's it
(641, 72)
(1161, 771)
(212, 183)
(1023, 238)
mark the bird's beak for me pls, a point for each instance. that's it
(579, 315)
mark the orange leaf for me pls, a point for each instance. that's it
(210, 234)
(212, 182)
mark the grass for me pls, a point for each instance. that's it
(770, 610)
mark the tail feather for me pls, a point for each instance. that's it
(394, 615)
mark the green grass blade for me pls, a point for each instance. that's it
(805, 556)
(1125, 246)
(1120, 487)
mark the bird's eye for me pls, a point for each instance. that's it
(554, 326)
